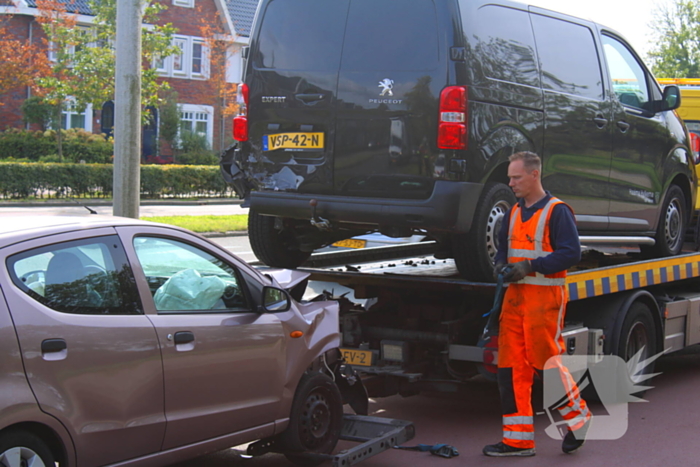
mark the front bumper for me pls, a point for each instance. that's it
(450, 208)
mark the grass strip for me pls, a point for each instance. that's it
(238, 222)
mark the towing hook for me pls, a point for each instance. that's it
(319, 222)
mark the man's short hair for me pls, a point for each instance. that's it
(531, 161)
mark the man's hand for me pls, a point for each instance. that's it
(498, 269)
(518, 271)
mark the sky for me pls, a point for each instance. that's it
(631, 18)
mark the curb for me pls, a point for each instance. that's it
(95, 202)
(236, 233)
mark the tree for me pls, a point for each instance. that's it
(21, 62)
(676, 52)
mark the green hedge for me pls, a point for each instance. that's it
(77, 145)
(54, 180)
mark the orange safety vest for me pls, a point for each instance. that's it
(530, 240)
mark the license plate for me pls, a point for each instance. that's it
(293, 141)
(351, 243)
(357, 357)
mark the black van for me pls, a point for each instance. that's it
(399, 116)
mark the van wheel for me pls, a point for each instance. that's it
(315, 421)
(672, 225)
(20, 449)
(474, 252)
(276, 248)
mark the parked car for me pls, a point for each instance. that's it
(472, 82)
(129, 342)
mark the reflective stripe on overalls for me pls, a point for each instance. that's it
(531, 321)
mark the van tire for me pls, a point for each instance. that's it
(670, 232)
(30, 448)
(316, 419)
(276, 248)
(475, 251)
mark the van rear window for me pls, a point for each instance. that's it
(391, 35)
(301, 35)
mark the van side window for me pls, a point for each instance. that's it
(626, 74)
(568, 57)
(391, 35)
(302, 35)
(505, 46)
(84, 277)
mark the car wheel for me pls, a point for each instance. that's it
(274, 247)
(672, 225)
(316, 419)
(474, 252)
(23, 449)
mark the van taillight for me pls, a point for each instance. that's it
(695, 146)
(240, 121)
(452, 125)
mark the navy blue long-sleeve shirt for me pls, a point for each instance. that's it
(563, 237)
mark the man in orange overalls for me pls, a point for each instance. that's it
(538, 242)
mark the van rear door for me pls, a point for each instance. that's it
(292, 79)
(390, 79)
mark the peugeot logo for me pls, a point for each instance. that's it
(386, 84)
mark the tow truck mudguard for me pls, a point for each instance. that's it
(375, 435)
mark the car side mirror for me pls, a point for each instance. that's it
(275, 300)
(671, 99)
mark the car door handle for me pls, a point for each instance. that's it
(310, 98)
(600, 121)
(623, 126)
(53, 345)
(184, 337)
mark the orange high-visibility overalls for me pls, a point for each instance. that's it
(531, 322)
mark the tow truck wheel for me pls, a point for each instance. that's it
(316, 419)
(274, 247)
(474, 252)
(637, 334)
(20, 449)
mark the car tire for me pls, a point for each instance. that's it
(670, 233)
(316, 419)
(276, 248)
(20, 448)
(475, 251)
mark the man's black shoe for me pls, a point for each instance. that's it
(503, 450)
(575, 439)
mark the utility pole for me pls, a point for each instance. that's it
(127, 110)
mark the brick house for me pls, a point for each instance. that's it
(186, 73)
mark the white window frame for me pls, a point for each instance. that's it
(198, 111)
(186, 44)
(69, 111)
(184, 3)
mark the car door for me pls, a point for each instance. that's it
(91, 356)
(223, 361)
(578, 136)
(641, 143)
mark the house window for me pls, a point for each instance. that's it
(197, 119)
(72, 118)
(190, 62)
(184, 3)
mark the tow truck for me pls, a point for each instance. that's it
(414, 325)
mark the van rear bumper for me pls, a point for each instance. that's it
(450, 208)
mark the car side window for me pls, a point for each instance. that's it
(90, 276)
(185, 278)
(627, 75)
(568, 57)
